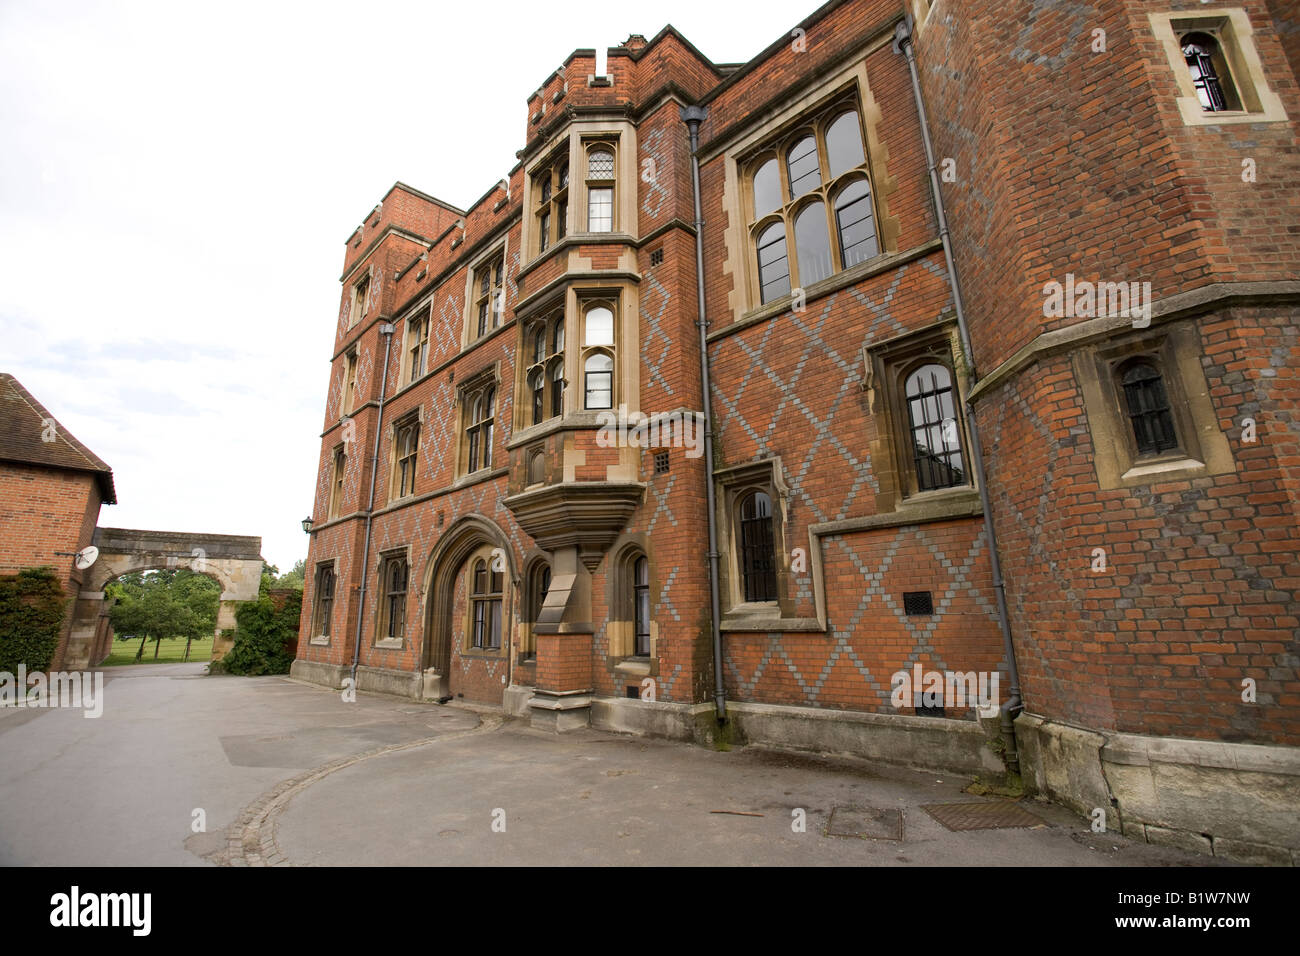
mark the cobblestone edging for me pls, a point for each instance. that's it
(251, 840)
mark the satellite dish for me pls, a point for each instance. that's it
(86, 557)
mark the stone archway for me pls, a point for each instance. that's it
(234, 561)
(465, 536)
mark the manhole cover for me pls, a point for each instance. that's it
(872, 822)
(993, 815)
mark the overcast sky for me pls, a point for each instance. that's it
(176, 184)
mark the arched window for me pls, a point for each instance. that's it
(539, 584)
(1210, 74)
(767, 188)
(757, 557)
(599, 326)
(641, 606)
(485, 597)
(812, 243)
(933, 428)
(600, 189)
(478, 428)
(600, 381)
(551, 187)
(544, 346)
(773, 263)
(830, 162)
(804, 166)
(536, 467)
(393, 614)
(855, 223)
(488, 294)
(1148, 408)
(557, 388)
(537, 386)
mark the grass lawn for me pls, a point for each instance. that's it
(170, 651)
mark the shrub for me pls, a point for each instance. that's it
(32, 605)
(265, 626)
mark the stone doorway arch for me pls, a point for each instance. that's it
(465, 536)
(233, 561)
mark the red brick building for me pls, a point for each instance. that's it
(51, 489)
(1110, 314)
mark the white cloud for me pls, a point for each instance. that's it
(176, 186)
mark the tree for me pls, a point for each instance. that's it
(294, 578)
(164, 604)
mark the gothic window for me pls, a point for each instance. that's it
(406, 443)
(324, 603)
(933, 430)
(479, 404)
(392, 623)
(551, 187)
(489, 297)
(485, 600)
(544, 370)
(417, 352)
(757, 555)
(600, 187)
(641, 606)
(810, 203)
(1148, 408)
(598, 355)
(1210, 74)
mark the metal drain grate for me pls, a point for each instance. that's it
(994, 815)
(873, 822)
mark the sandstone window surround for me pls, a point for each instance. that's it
(349, 402)
(806, 192)
(538, 578)
(360, 299)
(485, 295)
(1219, 73)
(404, 455)
(600, 326)
(1149, 408)
(630, 625)
(484, 628)
(323, 602)
(753, 505)
(550, 186)
(541, 351)
(477, 401)
(394, 583)
(338, 473)
(415, 359)
(917, 396)
(600, 157)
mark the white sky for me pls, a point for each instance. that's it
(176, 184)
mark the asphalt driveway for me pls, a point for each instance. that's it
(285, 773)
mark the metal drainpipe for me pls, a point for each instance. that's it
(385, 330)
(693, 116)
(903, 44)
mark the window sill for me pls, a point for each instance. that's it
(1152, 470)
(321, 640)
(390, 644)
(483, 654)
(633, 667)
(765, 617)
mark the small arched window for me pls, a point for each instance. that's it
(536, 467)
(767, 188)
(933, 428)
(812, 244)
(599, 327)
(855, 223)
(478, 430)
(641, 605)
(599, 381)
(1148, 408)
(773, 263)
(757, 554)
(804, 166)
(537, 386)
(844, 144)
(557, 388)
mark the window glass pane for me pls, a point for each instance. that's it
(856, 222)
(600, 326)
(539, 343)
(600, 210)
(767, 188)
(813, 243)
(773, 263)
(557, 337)
(600, 381)
(480, 577)
(932, 415)
(600, 164)
(844, 144)
(805, 173)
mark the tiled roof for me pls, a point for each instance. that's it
(24, 428)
